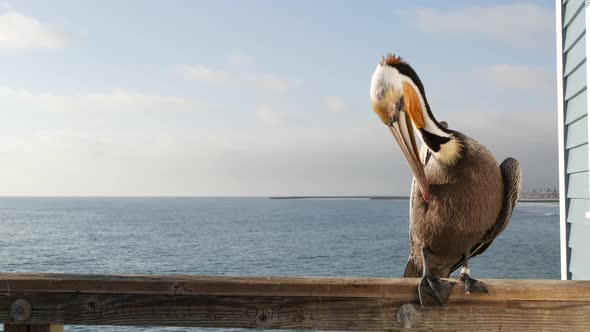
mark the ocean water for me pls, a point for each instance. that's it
(246, 236)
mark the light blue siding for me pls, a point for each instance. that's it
(571, 9)
(574, 31)
(579, 266)
(575, 57)
(576, 212)
(575, 82)
(576, 107)
(579, 233)
(577, 159)
(577, 185)
(575, 135)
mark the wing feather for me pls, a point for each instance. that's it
(512, 177)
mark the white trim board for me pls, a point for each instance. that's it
(560, 130)
(587, 9)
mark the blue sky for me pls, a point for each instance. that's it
(259, 97)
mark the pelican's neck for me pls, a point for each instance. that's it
(443, 144)
(446, 148)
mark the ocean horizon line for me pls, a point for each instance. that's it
(277, 197)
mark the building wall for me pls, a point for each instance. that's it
(573, 123)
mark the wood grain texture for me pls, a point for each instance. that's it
(33, 328)
(368, 304)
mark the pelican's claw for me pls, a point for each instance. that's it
(433, 291)
(472, 285)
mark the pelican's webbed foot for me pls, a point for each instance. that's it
(433, 291)
(472, 285)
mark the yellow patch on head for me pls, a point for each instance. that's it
(412, 105)
(383, 108)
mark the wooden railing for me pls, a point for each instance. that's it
(46, 302)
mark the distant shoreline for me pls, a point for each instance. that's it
(338, 197)
(524, 200)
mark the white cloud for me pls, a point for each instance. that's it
(271, 117)
(201, 73)
(524, 78)
(18, 32)
(115, 100)
(335, 104)
(519, 24)
(361, 158)
(241, 59)
(232, 79)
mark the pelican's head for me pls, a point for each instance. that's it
(397, 97)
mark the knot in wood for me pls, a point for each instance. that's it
(177, 289)
(91, 305)
(264, 317)
(408, 316)
(20, 310)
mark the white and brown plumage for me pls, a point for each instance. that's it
(461, 199)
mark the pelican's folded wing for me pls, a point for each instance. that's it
(511, 176)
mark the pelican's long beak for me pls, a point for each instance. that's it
(400, 125)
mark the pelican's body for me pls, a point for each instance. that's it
(461, 198)
(465, 202)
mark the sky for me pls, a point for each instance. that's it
(257, 98)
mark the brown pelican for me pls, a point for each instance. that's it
(460, 201)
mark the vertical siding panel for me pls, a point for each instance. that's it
(573, 137)
(561, 107)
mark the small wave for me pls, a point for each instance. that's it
(550, 214)
(313, 257)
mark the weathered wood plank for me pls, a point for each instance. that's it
(33, 328)
(367, 314)
(368, 304)
(394, 288)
